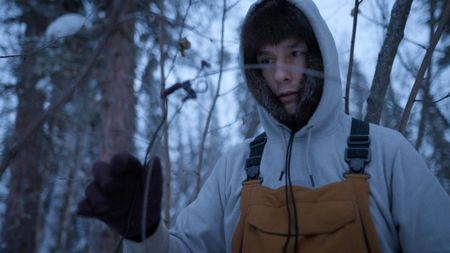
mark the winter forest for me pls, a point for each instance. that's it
(81, 80)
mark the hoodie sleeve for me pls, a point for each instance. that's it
(199, 227)
(420, 206)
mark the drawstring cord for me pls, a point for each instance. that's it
(289, 188)
(286, 191)
(308, 166)
(289, 191)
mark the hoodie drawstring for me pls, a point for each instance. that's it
(290, 193)
(308, 167)
(289, 188)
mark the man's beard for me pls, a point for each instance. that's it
(310, 92)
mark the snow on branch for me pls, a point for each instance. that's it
(65, 25)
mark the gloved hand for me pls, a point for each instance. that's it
(116, 196)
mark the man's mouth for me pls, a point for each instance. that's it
(288, 97)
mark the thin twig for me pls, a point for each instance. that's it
(166, 154)
(306, 71)
(231, 123)
(350, 62)
(180, 36)
(230, 90)
(162, 124)
(406, 63)
(35, 50)
(423, 67)
(435, 101)
(174, 22)
(231, 6)
(214, 102)
(376, 22)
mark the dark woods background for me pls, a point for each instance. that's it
(81, 80)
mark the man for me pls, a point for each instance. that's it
(312, 190)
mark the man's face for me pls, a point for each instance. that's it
(284, 71)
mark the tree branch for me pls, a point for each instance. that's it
(180, 36)
(435, 101)
(34, 51)
(165, 109)
(231, 6)
(214, 102)
(423, 67)
(355, 13)
(376, 22)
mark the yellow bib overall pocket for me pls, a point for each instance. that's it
(323, 227)
(332, 218)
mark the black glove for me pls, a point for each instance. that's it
(116, 196)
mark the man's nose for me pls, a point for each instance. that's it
(282, 72)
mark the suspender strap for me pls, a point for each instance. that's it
(357, 153)
(254, 159)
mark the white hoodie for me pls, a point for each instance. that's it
(410, 210)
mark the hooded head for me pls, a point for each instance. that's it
(269, 23)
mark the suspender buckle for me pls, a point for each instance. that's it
(357, 165)
(357, 158)
(357, 153)
(254, 160)
(252, 172)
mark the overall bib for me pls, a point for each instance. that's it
(332, 218)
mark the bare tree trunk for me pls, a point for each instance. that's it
(395, 31)
(117, 105)
(21, 228)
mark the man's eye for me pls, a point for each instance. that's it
(265, 61)
(297, 53)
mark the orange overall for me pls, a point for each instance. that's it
(332, 218)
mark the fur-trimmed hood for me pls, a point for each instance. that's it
(330, 105)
